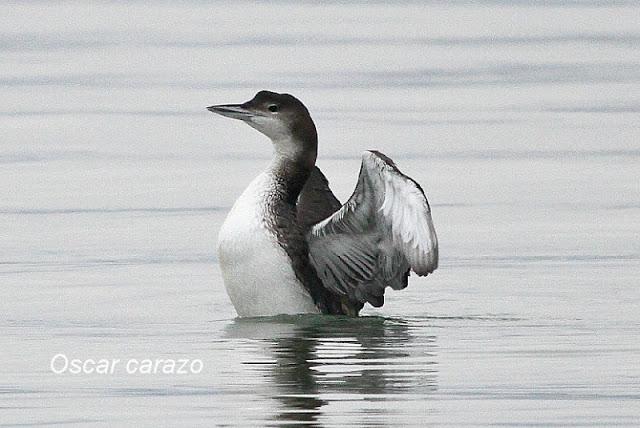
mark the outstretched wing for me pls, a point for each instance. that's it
(381, 233)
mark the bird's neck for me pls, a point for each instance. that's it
(292, 165)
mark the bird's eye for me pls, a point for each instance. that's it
(273, 108)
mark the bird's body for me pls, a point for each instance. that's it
(288, 247)
(256, 269)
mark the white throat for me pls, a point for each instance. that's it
(288, 148)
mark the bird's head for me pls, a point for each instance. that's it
(281, 117)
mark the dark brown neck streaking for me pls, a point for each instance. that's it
(293, 168)
(291, 176)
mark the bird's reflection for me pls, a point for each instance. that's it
(314, 359)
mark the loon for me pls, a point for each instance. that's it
(289, 247)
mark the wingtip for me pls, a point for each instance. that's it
(368, 154)
(379, 158)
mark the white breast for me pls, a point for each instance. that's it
(256, 270)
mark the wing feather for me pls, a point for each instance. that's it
(382, 232)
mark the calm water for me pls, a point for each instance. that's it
(521, 120)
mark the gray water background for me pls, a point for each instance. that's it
(520, 119)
